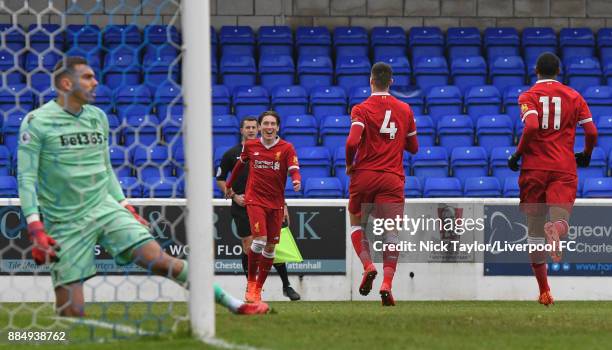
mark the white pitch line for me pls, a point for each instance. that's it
(220, 343)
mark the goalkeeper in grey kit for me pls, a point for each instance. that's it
(64, 169)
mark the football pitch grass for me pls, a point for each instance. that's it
(343, 325)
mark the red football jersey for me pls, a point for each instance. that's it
(559, 109)
(387, 122)
(268, 168)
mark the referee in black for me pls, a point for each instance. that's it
(248, 131)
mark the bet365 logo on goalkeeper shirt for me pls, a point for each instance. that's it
(82, 139)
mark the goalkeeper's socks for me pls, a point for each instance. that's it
(361, 245)
(182, 277)
(389, 266)
(245, 264)
(282, 273)
(539, 270)
(265, 264)
(225, 299)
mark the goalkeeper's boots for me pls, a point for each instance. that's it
(546, 299)
(386, 296)
(252, 296)
(368, 277)
(554, 238)
(253, 309)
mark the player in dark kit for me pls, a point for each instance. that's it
(248, 131)
(548, 181)
(269, 159)
(382, 128)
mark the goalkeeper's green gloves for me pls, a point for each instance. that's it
(45, 247)
(138, 218)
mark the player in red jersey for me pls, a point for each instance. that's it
(548, 181)
(382, 128)
(270, 159)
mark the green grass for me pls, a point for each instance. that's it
(354, 325)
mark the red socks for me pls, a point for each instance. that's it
(539, 270)
(361, 245)
(253, 263)
(389, 266)
(264, 268)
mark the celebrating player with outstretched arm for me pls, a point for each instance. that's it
(383, 127)
(64, 168)
(548, 181)
(270, 159)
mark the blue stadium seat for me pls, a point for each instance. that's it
(43, 36)
(141, 129)
(482, 100)
(275, 40)
(597, 187)
(300, 130)
(5, 161)
(237, 40)
(163, 66)
(221, 100)
(315, 71)
(455, 131)
(218, 155)
(353, 71)
(226, 130)
(122, 67)
(339, 161)
(14, 36)
(40, 67)
(152, 162)
(583, 72)
(334, 131)
(511, 187)
(168, 100)
(430, 162)
(323, 187)
(327, 100)
(437, 187)
(599, 99)
(290, 100)
(16, 98)
(604, 43)
(10, 130)
(507, 71)
(276, 70)
(501, 42)
(351, 41)
(104, 98)
(604, 132)
(494, 130)
(499, 162)
(162, 187)
(425, 42)
(8, 187)
(159, 50)
(443, 100)
(401, 70)
(120, 161)
(414, 97)
(83, 36)
(238, 71)
(313, 41)
(511, 106)
(518, 130)
(314, 161)
(290, 193)
(114, 35)
(598, 166)
(161, 34)
(9, 66)
(468, 71)
(607, 70)
(469, 162)
(358, 94)
(130, 186)
(537, 40)
(576, 42)
(388, 41)
(412, 187)
(426, 130)
(483, 186)
(463, 42)
(430, 71)
(133, 100)
(250, 101)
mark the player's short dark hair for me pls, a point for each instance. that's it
(548, 64)
(66, 66)
(382, 75)
(267, 113)
(247, 119)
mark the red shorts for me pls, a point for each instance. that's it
(265, 222)
(541, 189)
(383, 189)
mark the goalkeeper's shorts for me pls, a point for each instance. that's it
(109, 225)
